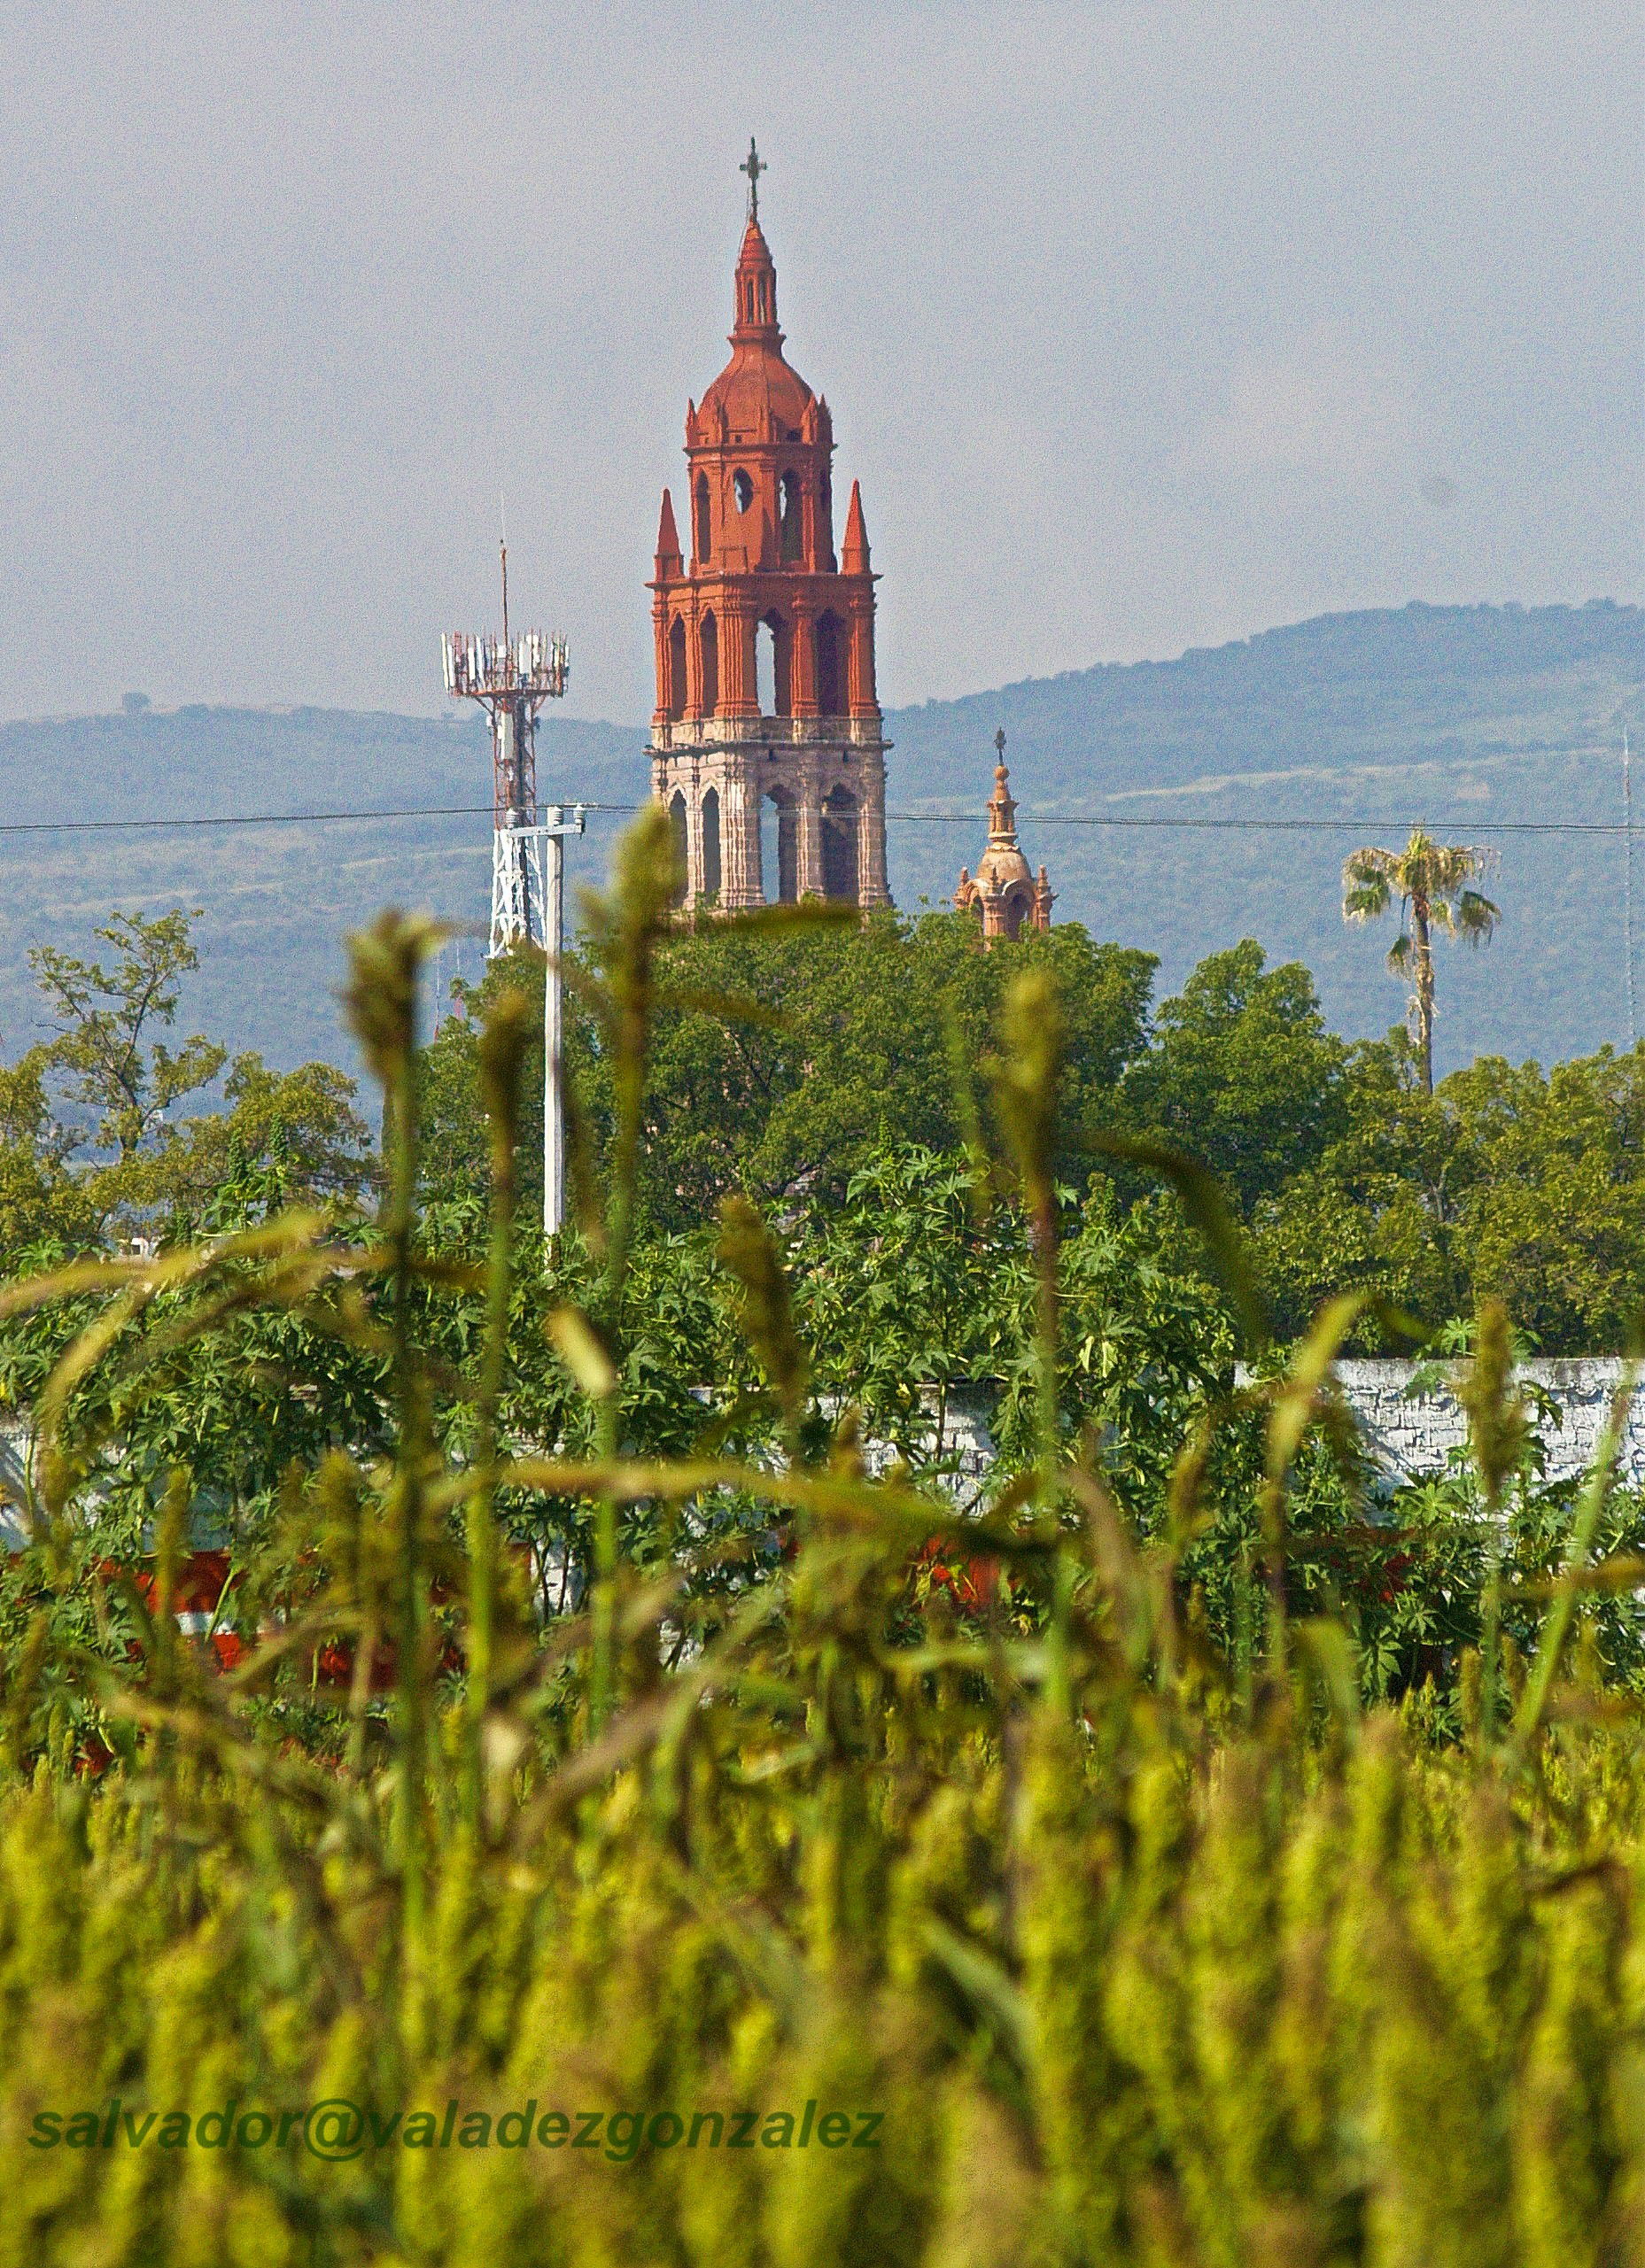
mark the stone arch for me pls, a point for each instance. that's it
(708, 656)
(830, 666)
(679, 829)
(780, 868)
(839, 817)
(710, 844)
(742, 489)
(676, 687)
(1014, 909)
(701, 535)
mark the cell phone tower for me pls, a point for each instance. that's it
(511, 677)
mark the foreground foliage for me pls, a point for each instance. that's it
(1095, 1898)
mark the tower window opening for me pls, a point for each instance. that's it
(779, 865)
(1014, 911)
(770, 665)
(793, 531)
(708, 647)
(677, 828)
(675, 688)
(700, 534)
(839, 846)
(742, 489)
(710, 844)
(829, 701)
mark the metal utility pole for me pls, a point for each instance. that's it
(511, 677)
(552, 836)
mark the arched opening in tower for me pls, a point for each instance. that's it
(1015, 910)
(676, 666)
(839, 846)
(830, 696)
(793, 527)
(677, 825)
(700, 542)
(711, 845)
(779, 865)
(708, 654)
(771, 665)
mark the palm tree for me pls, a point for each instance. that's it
(1428, 878)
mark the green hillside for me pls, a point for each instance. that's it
(1456, 717)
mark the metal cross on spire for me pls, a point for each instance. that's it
(753, 167)
(999, 743)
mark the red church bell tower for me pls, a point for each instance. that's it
(766, 746)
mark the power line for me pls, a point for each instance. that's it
(1280, 826)
(901, 818)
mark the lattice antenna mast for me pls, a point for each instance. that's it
(511, 677)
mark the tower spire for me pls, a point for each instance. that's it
(667, 559)
(853, 552)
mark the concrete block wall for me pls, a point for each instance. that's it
(1412, 1432)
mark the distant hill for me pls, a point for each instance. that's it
(1453, 716)
(1450, 716)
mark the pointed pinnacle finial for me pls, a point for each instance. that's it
(754, 166)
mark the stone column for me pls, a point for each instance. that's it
(693, 662)
(808, 867)
(659, 623)
(739, 839)
(802, 660)
(692, 786)
(872, 890)
(861, 699)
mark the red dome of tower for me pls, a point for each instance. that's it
(759, 395)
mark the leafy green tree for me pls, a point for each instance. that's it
(787, 1053)
(106, 1054)
(40, 1197)
(1244, 1073)
(304, 1119)
(123, 1084)
(1430, 880)
(1377, 1210)
(1553, 1219)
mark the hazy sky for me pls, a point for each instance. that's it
(1144, 325)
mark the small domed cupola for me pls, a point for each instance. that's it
(1005, 895)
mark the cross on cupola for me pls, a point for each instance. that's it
(754, 166)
